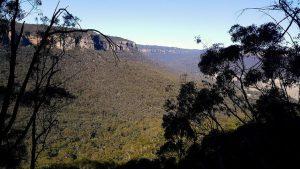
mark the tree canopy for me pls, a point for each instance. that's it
(251, 81)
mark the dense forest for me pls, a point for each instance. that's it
(76, 98)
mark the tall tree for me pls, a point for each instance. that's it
(38, 88)
(250, 80)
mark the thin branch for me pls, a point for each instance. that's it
(234, 114)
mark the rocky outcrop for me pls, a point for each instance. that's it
(88, 40)
(97, 42)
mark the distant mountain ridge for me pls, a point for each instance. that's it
(177, 60)
(166, 49)
(90, 40)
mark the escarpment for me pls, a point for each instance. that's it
(90, 40)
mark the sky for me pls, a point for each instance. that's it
(163, 22)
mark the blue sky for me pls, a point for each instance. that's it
(164, 22)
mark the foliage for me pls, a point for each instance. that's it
(117, 111)
(176, 122)
(36, 87)
(257, 95)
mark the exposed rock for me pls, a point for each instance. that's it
(88, 40)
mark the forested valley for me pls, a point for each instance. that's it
(73, 97)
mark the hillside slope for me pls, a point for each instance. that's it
(118, 111)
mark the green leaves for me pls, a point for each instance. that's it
(254, 39)
(273, 106)
(252, 77)
(273, 61)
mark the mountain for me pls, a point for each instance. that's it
(175, 59)
(118, 110)
(117, 113)
(90, 40)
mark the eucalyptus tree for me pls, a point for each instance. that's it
(37, 90)
(250, 81)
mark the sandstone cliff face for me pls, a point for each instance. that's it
(83, 41)
(97, 42)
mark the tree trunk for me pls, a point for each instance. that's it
(12, 67)
(34, 144)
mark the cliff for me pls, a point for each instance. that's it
(90, 40)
